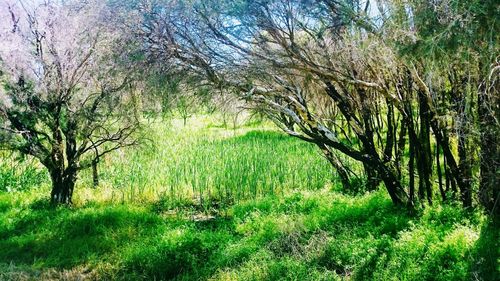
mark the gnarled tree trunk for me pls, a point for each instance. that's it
(63, 184)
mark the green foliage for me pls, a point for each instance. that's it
(308, 234)
(452, 29)
(301, 236)
(19, 174)
(215, 166)
(486, 252)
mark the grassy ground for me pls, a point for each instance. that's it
(203, 160)
(206, 203)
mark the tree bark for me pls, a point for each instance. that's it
(465, 154)
(63, 184)
(335, 162)
(489, 114)
(411, 168)
(413, 145)
(400, 148)
(424, 152)
(393, 185)
(372, 179)
(440, 173)
(95, 174)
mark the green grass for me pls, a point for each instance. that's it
(206, 203)
(302, 235)
(202, 161)
(18, 173)
(212, 164)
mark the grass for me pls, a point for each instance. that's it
(212, 164)
(302, 235)
(17, 173)
(206, 203)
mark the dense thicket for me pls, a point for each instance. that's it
(408, 89)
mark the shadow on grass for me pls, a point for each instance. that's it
(63, 237)
(486, 253)
(349, 236)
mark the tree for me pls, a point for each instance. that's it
(463, 97)
(352, 77)
(66, 98)
(489, 112)
(277, 56)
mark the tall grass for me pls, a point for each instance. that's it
(17, 173)
(210, 163)
(201, 163)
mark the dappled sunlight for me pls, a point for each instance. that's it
(252, 140)
(328, 234)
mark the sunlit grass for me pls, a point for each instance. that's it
(208, 163)
(202, 162)
(301, 235)
(203, 202)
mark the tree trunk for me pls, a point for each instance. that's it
(335, 162)
(411, 167)
(439, 173)
(393, 185)
(63, 184)
(372, 178)
(412, 142)
(400, 148)
(454, 171)
(369, 154)
(95, 174)
(465, 167)
(489, 186)
(489, 114)
(462, 121)
(424, 160)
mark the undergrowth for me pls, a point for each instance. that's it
(206, 203)
(319, 235)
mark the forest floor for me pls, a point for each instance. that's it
(219, 204)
